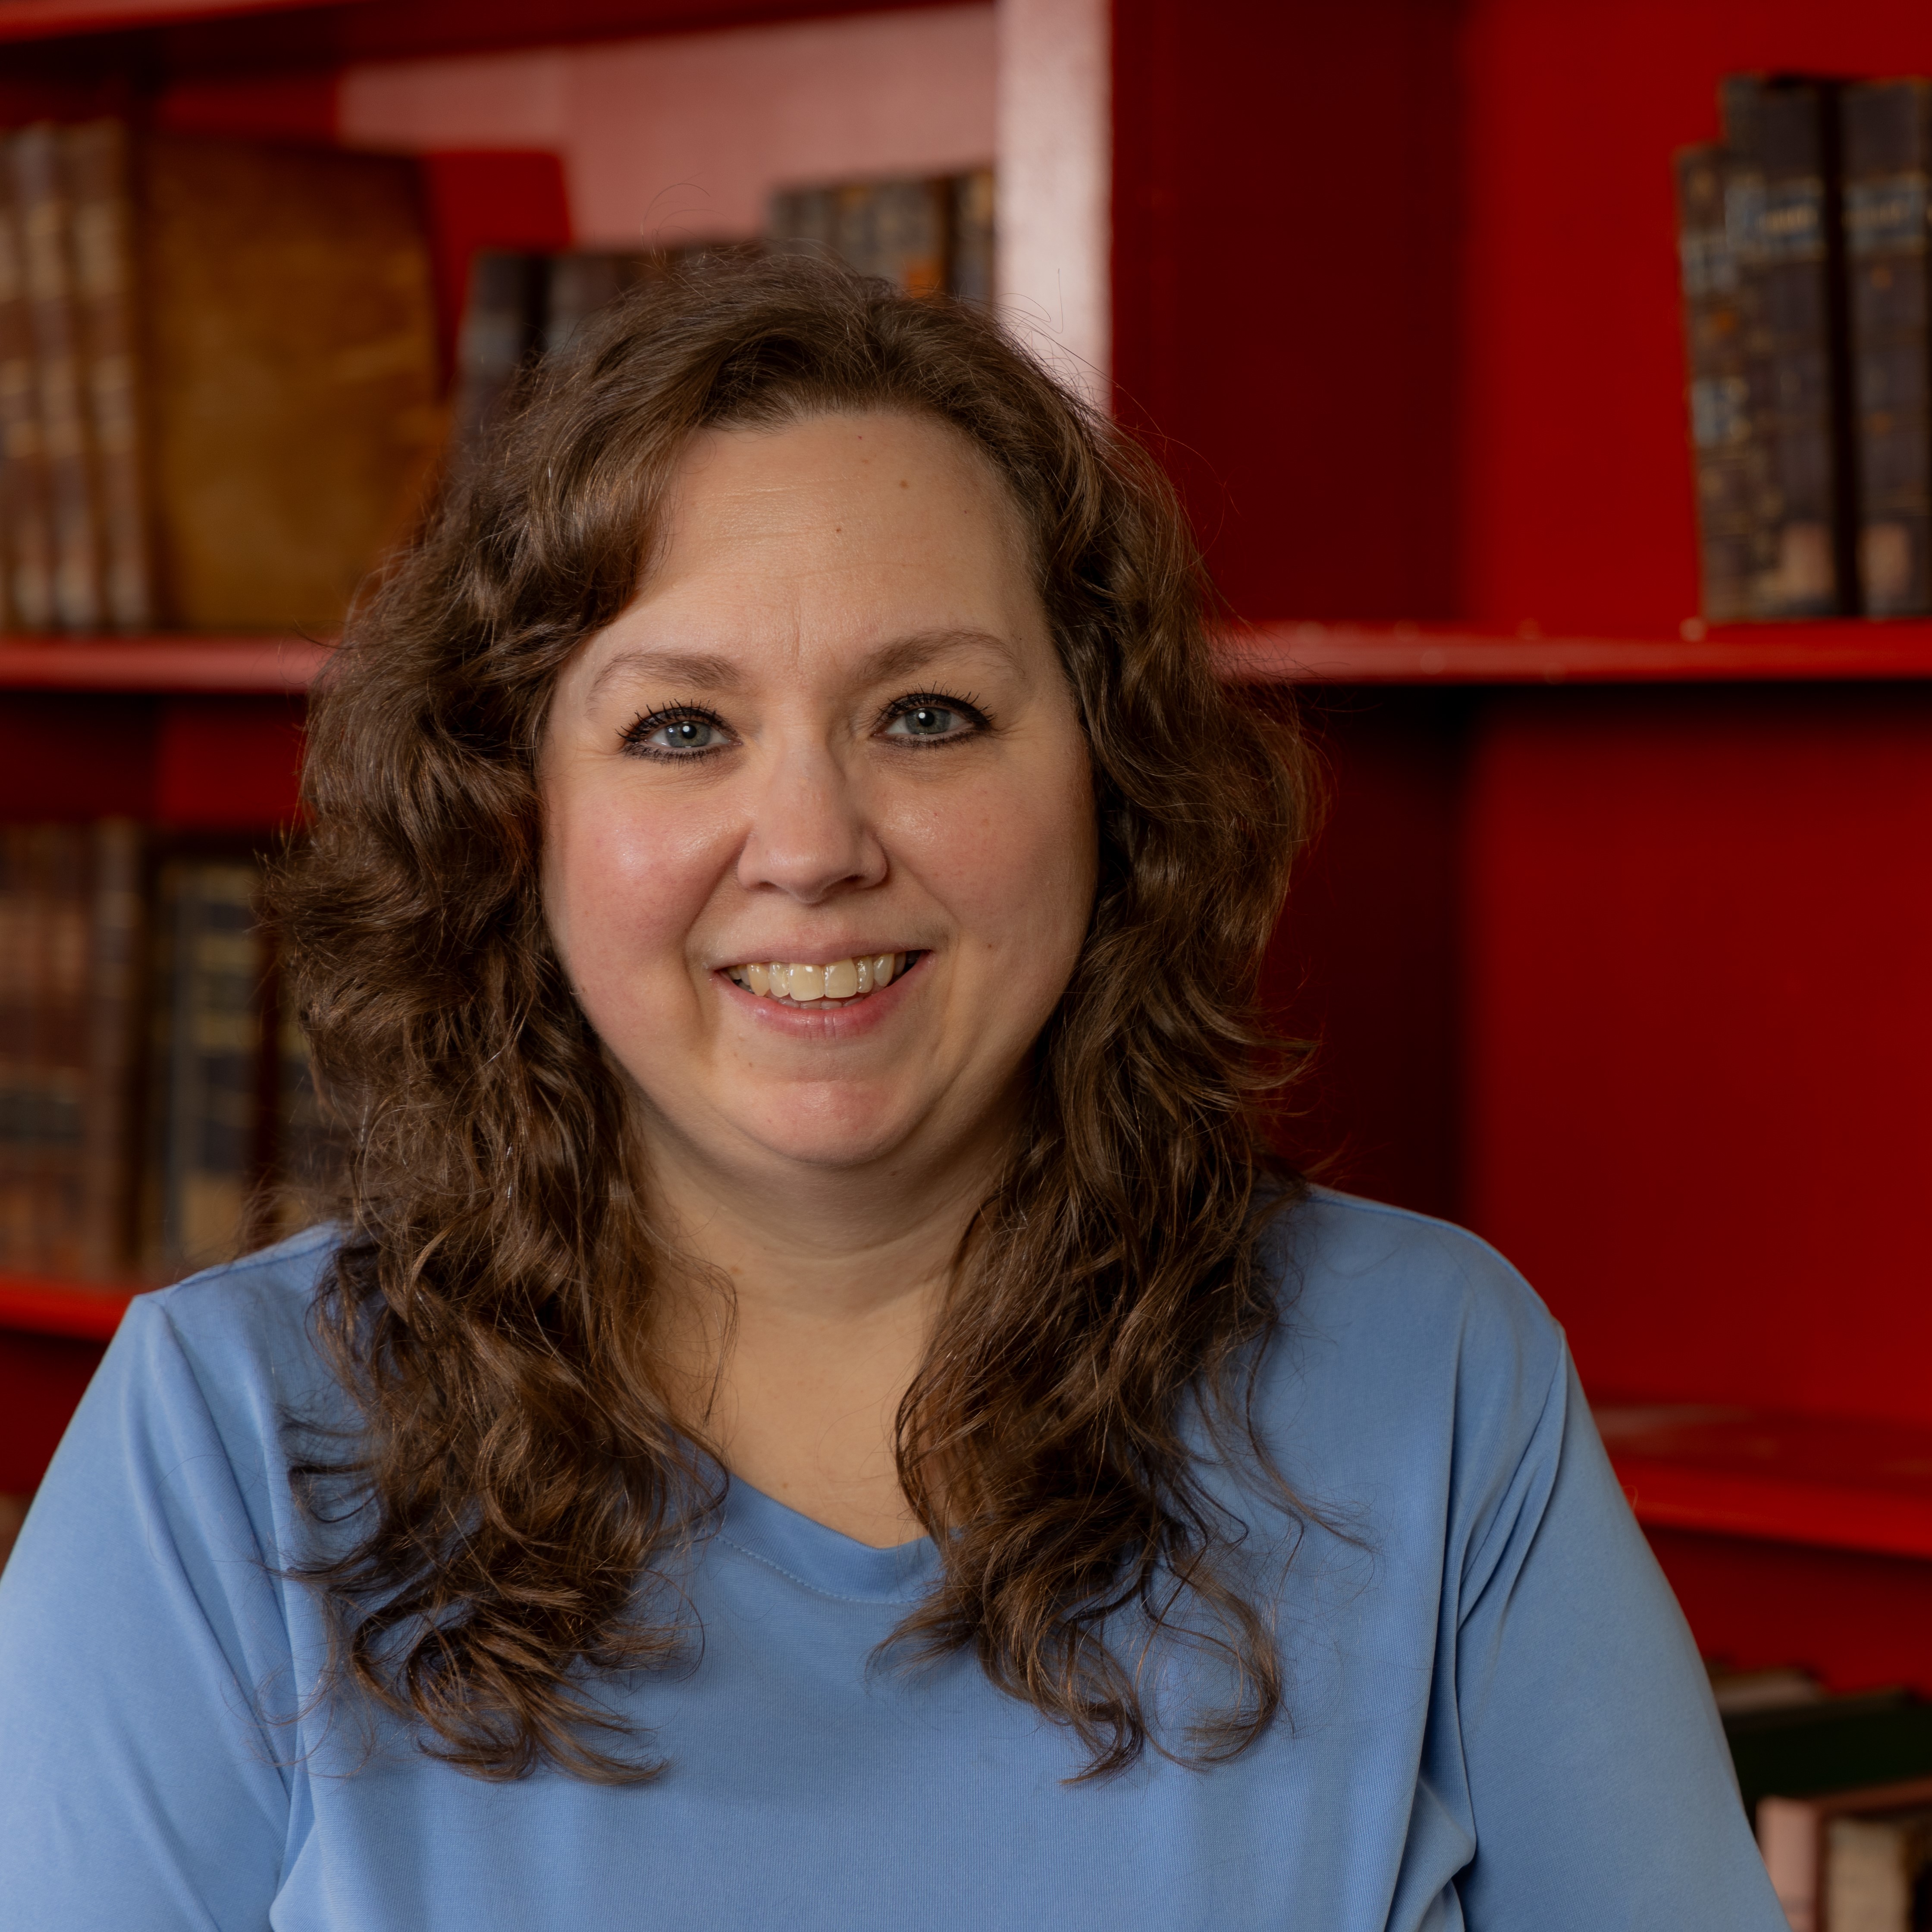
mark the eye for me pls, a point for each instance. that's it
(684, 732)
(926, 717)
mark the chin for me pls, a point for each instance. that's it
(839, 1129)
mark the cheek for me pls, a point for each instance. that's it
(622, 886)
(1016, 865)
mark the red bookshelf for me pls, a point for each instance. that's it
(234, 666)
(1615, 942)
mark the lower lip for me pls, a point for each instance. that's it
(816, 1021)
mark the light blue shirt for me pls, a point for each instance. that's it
(1496, 1716)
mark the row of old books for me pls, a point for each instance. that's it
(1840, 1791)
(156, 1109)
(923, 234)
(220, 398)
(1804, 243)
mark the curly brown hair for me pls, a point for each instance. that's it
(521, 1480)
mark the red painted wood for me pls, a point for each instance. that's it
(82, 1312)
(67, 758)
(35, 19)
(161, 663)
(1286, 202)
(1855, 1621)
(1408, 653)
(42, 1377)
(1365, 964)
(227, 763)
(500, 198)
(1838, 1482)
(1698, 945)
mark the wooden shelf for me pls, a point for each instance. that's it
(79, 1311)
(1831, 1483)
(1341, 653)
(44, 19)
(237, 665)
(1297, 653)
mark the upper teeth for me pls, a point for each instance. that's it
(842, 980)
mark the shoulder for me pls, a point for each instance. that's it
(1405, 1342)
(1402, 1283)
(236, 1341)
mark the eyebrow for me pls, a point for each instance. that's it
(699, 671)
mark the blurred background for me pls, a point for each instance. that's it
(1548, 380)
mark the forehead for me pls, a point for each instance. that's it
(826, 541)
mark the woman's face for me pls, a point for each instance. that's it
(819, 841)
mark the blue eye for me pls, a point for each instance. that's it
(672, 734)
(934, 719)
(929, 721)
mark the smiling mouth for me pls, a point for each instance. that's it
(837, 983)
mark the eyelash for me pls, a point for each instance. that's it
(969, 710)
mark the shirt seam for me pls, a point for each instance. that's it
(804, 1583)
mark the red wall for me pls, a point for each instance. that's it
(1699, 949)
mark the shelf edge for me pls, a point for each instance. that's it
(77, 1312)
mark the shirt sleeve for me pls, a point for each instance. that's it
(145, 1773)
(1602, 1792)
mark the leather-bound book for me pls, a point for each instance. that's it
(113, 1018)
(26, 535)
(503, 332)
(96, 159)
(44, 212)
(288, 350)
(1782, 133)
(1727, 460)
(1887, 158)
(970, 269)
(207, 1042)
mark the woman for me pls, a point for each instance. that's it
(814, 1410)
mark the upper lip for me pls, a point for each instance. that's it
(811, 956)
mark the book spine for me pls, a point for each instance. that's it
(1888, 158)
(1790, 1837)
(26, 536)
(1727, 461)
(804, 221)
(45, 228)
(214, 1042)
(969, 268)
(16, 914)
(503, 324)
(1783, 135)
(97, 171)
(60, 1068)
(113, 1016)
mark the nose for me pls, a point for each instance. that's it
(810, 836)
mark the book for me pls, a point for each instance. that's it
(1783, 209)
(503, 333)
(26, 537)
(18, 1123)
(43, 214)
(1727, 460)
(157, 1110)
(922, 234)
(96, 159)
(1856, 1860)
(1888, 157)
(969, 275)
(206, 1047)
(1809, 1749)
(70, 923)
(103, 1247)
(524, 307)
(288, 353)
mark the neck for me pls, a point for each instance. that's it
(789, 1340)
